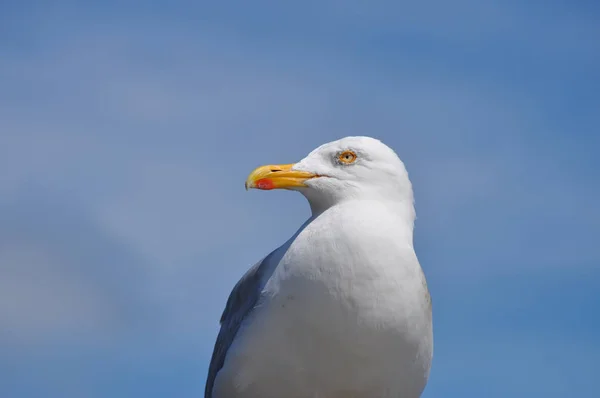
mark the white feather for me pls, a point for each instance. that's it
(344, 309)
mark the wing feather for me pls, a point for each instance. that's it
(240, 303)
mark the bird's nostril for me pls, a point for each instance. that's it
(275, 170)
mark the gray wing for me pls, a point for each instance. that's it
(240, 303)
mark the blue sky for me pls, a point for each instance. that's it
(128, 129)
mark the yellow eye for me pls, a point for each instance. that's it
(347, 157)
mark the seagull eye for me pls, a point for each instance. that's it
(347, 157)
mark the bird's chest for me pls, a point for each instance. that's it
(347, 273)
(344, 311)
(316, 344)
(341, 317)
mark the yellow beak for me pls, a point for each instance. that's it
(277, 177)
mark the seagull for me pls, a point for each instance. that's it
(342, 309)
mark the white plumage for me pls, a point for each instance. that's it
(341, 310)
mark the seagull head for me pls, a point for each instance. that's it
(352, 168)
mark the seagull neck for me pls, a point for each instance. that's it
(317, 208)
(403, 208)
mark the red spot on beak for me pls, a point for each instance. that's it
(265, 183)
